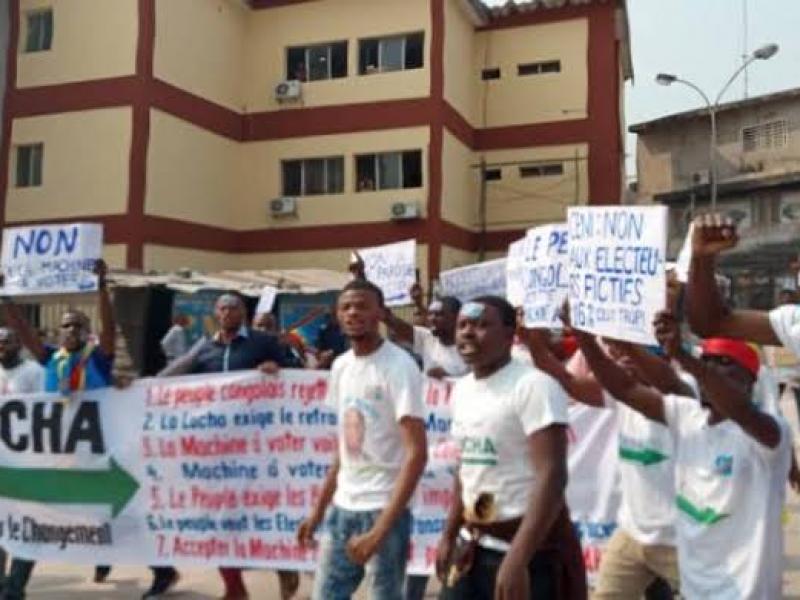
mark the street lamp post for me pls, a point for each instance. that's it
(763, 53)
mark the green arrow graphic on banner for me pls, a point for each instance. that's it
(647, 456)
(113, 486)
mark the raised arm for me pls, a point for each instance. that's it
(27, 335)
(412, 429)
(547, 451)
(658, 372)
(582, 388)
(707, 313)
(108, 327)
(619, 384)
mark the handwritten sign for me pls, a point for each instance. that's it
(481, 279)
(392, 268)
(51, 259)
(537, 274)
(617, 280)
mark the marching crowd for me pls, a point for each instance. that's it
(704, 451)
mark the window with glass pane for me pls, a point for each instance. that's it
(292, 178)
(368, 57)
(29, 165)
(392, 50)
(314, 177)
(415, 50)
(365, 173)
(40, 31)
(412, 169)
(335, 173)
(296, 64)
(389, 172)
(319, 63)
(339, 60)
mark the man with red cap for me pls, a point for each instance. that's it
(731, 461)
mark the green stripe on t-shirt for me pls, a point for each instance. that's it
(645, 456)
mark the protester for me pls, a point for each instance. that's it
(331, 342)
(731, 464)
(175, 342)
(707, 312)
(78, 364)
(375, 389)
(508, 535)
(234, 347)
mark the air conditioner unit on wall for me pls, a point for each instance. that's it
(405, 210)
(287, 91)
(702, 177)
(283, 207)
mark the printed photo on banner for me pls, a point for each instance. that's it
(481, 279)
(392, 268)
(537, 274)
(51, 259)
(617, 281)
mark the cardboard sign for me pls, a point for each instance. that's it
(481, 279)
(393, 268)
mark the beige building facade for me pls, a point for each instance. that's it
(281, 133)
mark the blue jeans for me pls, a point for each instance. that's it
(338, 578)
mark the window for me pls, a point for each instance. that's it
(29, 165)
(316, 63)
(538, 68)
(543, 170)
(389, 171)
(395, 53)
(313, 176)
(488, 74)
(493, 175)
(40, 31)
(766, 136)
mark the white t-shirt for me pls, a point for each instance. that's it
(435, 354)
(785, 322)
(730, 493)
(647, 471)
(26, 378)
(492, 419)
(371, 394)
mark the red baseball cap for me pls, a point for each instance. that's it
(738, 351)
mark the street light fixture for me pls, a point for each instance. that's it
(763, 53)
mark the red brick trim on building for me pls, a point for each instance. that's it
(8, 109)
(142, 91)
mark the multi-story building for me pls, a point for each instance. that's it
(281, 133)
(758, 174)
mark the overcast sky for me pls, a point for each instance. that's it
(703, 41)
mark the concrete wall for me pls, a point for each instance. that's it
(85, 166)
(92, 39)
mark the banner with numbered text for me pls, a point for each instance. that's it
(196, 470)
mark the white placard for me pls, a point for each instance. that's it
(481, 279)
(393, 268)
(267, 300)
(51, 259)
(617, 279)
(537, 274)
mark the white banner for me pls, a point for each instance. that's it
(51, 259)
(617, 279)
(393, 268)
(537, 274)
(481, 279)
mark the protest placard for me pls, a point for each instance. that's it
(617, 282)
(51, 259)
(481, 279)
(267, 299)
(393, 268)
(537, 274)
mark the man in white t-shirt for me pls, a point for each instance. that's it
(376, 390)
(731, 461)
(708, 314)
(435, 344)
(508, 533)
(17, 375)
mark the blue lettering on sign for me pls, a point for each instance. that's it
(41, 242)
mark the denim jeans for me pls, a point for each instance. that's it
(338, 578)
(416, 586)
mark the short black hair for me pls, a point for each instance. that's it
(451, 304)
(508, 314)
(362, 285)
